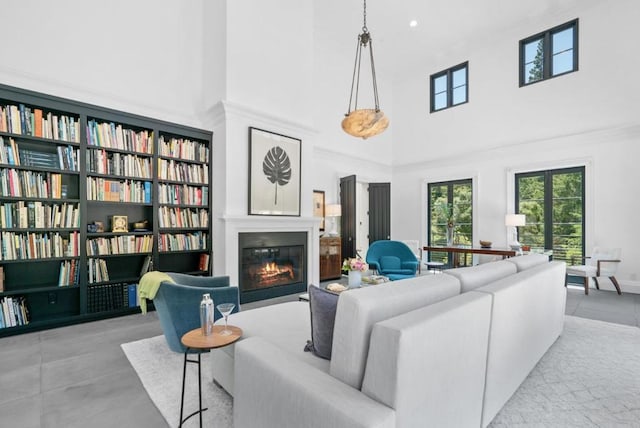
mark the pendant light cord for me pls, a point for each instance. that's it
(363, 40)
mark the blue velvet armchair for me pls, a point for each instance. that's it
(178, 304)
(393, 259)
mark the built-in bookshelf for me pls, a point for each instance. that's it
(91, 199)
(184, 241)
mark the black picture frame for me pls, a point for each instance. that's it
(275, 163)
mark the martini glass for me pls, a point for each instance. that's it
(225, 309)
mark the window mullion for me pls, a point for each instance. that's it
(547, 55)
(449, 88)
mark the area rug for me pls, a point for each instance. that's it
(589, 378)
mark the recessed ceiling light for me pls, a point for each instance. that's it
(413, 23)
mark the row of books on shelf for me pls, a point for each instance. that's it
(110, 297)
(183, 148)
(97, 270)
(69, 273)
(102, 189)
(30, 184)
(65, 158)
(13, 311)
(58, 157)
(34, 122)
(112, 135)
(122, 244)
(182, 217)
(182, 241)
(182, 194)
(179, 171)
(37, 214)
(103, 162)
(30, 245)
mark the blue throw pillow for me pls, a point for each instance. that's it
(322, 305)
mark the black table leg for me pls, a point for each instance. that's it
(184, 375)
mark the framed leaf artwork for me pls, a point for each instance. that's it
(274, 173)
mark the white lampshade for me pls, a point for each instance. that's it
(515, 220)
(333, 210)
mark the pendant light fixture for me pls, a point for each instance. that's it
(364, 123)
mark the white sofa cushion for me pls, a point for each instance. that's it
(358, 310)
(528, 261)
(473, 277)
(276, 389)
(527, 317)
(286, 325)
(429, 364)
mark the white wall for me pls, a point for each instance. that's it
(270, 57)
(143, 57)
(601, 95)
(588, 117)
(611, 178)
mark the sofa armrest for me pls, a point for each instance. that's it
(275, 389)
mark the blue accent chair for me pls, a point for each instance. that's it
(393, 259)
(178, 305)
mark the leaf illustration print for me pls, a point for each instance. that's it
(277, 167)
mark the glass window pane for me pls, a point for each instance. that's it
(460, 77)
(533, 50)
(440, 84)
(562, 40)
(440, 101)
(442, 196)
(532, 73)
(531, 204)
(567, 214)
(562, 62)
(459, 95)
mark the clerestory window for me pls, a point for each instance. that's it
(549, 54)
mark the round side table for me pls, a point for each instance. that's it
(195, 340)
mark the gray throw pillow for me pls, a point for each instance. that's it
(322, 305)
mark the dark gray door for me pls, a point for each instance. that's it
(379, 211)
(348, 219)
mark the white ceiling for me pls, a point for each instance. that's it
(442, 25)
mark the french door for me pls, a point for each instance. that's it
(553, 203)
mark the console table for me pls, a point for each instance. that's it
(504, 252)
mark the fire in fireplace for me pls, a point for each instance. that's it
(271, 264)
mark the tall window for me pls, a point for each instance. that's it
(450, 87)
(449, 197)
(553, 202)
(549, 54)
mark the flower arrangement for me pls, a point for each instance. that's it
(354, 264)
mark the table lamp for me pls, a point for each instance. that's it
(332, 211)
(512, 221)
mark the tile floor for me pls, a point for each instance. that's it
(78, 376)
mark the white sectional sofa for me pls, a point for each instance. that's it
(435, 350)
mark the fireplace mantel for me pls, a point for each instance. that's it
(232, 225)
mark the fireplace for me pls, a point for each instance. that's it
(271, 264)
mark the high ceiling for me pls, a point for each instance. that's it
(442, 25)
